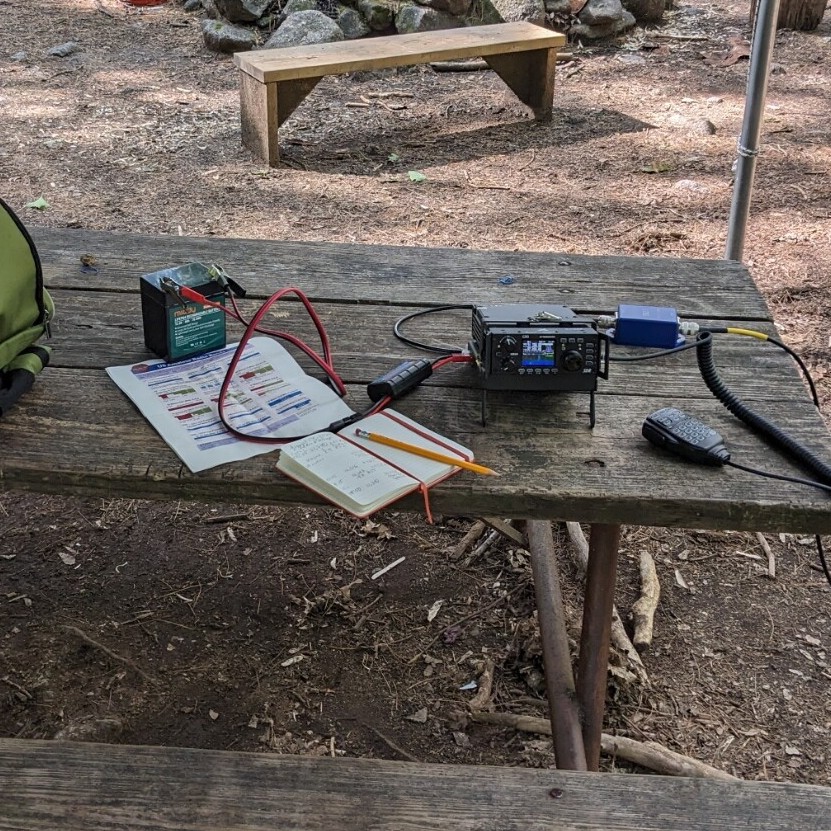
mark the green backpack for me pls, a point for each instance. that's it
(25, 310)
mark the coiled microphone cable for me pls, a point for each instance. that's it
(773, 433)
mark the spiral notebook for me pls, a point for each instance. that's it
(362, 476)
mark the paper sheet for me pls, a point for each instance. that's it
(270, 395)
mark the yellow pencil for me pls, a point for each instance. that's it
(427, 454)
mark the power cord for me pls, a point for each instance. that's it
(429, 347)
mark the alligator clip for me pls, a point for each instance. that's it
(171, 287)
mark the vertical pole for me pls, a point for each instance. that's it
(559, 677)
(596, 635)
(761, 50)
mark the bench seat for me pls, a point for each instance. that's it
(273, 82)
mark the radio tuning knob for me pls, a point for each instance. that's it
(572, 361)
(507, 345)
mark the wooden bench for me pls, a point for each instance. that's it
(273, 82)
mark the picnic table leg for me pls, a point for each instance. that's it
(593, 664)
(559, 677)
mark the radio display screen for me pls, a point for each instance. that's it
(539, 352)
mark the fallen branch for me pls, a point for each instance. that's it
(649, 755)
(389, 742)
(643, 609)
(771, 558)
(506, 529)
(474, 532)
(478, 64)
(654, 756)
(620, 640)
(108, 652)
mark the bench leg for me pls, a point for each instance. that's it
(263, 108)
(531, 76)
(593, 666)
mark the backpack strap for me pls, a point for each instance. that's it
(19, 375)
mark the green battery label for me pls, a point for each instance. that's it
(194, 328)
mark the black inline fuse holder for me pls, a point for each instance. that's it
(400, 380)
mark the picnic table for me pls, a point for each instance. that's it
(75, 433)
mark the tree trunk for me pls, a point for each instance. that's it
(803, 15)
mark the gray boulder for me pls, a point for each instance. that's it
(293, 6)
(598, 12)
(481, 13)
(305, 28)
(458, 8)
(603, 30)
(513, 10)
(412, 18)
(221, 36)
(379, 14)
(242, 11)
(351, 23)
(559, 6)
(646, 9)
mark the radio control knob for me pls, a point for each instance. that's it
(572, 361)
(507, 353)
(507, 345)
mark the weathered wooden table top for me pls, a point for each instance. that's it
(77, 433)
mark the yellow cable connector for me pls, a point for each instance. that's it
(751, 333)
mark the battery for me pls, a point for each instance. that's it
(175, 328)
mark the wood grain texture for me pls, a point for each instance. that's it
(399, 275)
(76, 433)
(269, 65)
(79, 787)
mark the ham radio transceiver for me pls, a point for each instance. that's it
(529, 347)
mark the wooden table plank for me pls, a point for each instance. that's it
(100, 329)
(397, 275)
(95, 443)
(86, 787)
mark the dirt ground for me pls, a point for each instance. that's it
(224, 626)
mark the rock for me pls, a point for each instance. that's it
(351, 23)
(63, 50)
(412, 18)
(293, 6)
(220, 36)
(510, 11)
(305, 28)
(645, 9)
(192, 5)
(91, 729)
(557, 6)
(379, 14)
(581, 30)
(704, 127)
(599, 12)
(211, 11)
(481, 13)
(19, 56)
(242, 11)
(458, 8)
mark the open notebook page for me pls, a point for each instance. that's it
(396, 426)
(344, 473)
